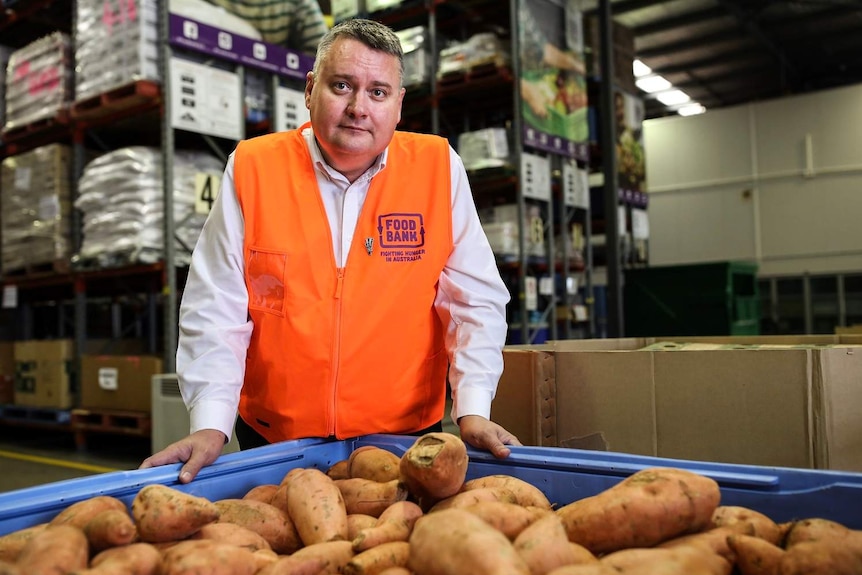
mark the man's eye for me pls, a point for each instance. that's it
(340, 86)
(378, 93)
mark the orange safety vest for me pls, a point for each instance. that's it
(354, 350)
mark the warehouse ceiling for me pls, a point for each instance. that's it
(730, 52)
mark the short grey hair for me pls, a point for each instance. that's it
(373, 34)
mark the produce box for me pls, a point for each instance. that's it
(786, 401)
(564, 475)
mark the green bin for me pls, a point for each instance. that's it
(691, 300)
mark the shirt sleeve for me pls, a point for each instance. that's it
(214, 326)
(471, 301)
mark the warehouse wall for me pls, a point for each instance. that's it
(777, 182)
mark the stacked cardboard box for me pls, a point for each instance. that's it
(44, 374)
(35, 223)
(7, 372)
(779, 401)
(118, 382)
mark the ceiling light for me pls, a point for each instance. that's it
(640, 69)
(651, 84)
(691, 110)
(673, 97)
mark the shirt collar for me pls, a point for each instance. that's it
(331, 173)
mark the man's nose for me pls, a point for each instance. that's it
(358, 104)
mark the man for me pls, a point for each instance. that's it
(338, 309)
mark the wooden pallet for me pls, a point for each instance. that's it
(29, 415)
(44, 126)
(58, 266)
(117, 422)
(120, 99)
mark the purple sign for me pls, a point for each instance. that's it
(198, 37)
(540, 140)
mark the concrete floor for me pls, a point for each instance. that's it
(32, 456)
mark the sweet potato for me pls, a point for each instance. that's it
(316, 507)
(375, 463)
(455, 542)
(261, 492)
(394, 524)
(746, 521)
(264, 558)
(290, 565)
(12, 543)
(134, 559)
(714, 539)
(374, 560)
(690, 560)
(645, 509)
(469, 498)
(336, 554)
(585, 569)
(234, 534)
(392, 571)
(79, 514)
(356, 522)
(163, 513)
(271, 523)
(110, 528)
(56, 549)
(339, 470)
(508, 518)
(754, 556)
(526, 494)
(544, 546)
(9, 568)
(434, 467)
(208, 557)
(370, 497)
(833, 556)
(814, 529)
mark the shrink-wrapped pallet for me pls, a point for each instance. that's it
(38, 81)
(121, 198)
(36, 208)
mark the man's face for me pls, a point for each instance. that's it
(355, 104)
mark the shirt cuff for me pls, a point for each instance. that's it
(471, 401)
(213, 415)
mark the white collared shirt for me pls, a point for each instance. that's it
(215, 328)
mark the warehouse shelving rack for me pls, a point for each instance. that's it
(137, 301)
(452, 105)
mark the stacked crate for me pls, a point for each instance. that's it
(35, 220)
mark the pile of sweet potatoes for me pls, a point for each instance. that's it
(378, 513)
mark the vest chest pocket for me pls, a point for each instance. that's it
(265, 271)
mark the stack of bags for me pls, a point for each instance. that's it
(121, 198)
(38, 80)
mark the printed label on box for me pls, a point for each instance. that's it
(108, 378)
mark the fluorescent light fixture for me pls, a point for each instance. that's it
(691, 109)
(640, 69)
(673, 97)
(651, 84)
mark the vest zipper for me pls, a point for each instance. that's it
(339, 285)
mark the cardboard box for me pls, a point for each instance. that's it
(7, 372)
(776, 401)
(118, 382)
(43, 373)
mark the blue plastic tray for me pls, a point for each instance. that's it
(564, 475)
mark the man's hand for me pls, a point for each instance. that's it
(485, 434)
(196, 450)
